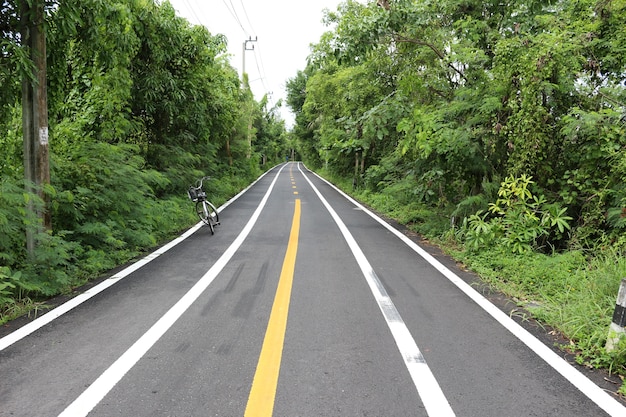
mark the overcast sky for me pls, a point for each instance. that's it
(284, 30)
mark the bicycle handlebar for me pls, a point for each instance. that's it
(196, 192)
(201, 180)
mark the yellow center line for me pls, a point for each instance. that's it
(263, 391)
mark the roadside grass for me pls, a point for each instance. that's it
(18, 308)
(573, 292)
(19, 297)
(63, 263)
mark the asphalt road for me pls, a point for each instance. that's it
(301, 304)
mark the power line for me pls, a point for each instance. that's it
(262, 65)
(192, 11)
(247, 18)
(233, 13)
(262, 75)
(258, 57)
(257, 53)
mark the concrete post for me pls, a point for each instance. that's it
(617, 330)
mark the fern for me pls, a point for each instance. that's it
(470, 205)
(616, 216)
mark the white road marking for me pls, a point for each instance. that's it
(600, 397)
(427, 386)
(57, 312)
(109, 378)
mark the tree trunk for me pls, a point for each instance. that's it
(355, 181)
(35, 113)
(230, 155)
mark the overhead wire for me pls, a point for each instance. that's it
(235, 15)
(193, 12)
(258, 58)
(233, 12)
(262, 75)
(247, 18)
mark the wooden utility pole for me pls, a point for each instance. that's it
(35, 111)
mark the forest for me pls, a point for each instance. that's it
(496, 130)
(140, 104)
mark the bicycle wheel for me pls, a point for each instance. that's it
(203, 208)
(213, 215)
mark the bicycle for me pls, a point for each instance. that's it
(204, 208)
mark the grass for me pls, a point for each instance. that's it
(19, 308)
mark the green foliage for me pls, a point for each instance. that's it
(45, 272)
(593, 176)
(11, 144)
(13, 293)
(14, 220)
(140, 103)
(111, 207)
(52, 270)
(460, 94)
(523, 221)
(271, 139)
(477, 202)
(585, 307)
(478, 232)
(12, 286)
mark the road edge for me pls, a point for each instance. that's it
(26, 326)
(603, 390)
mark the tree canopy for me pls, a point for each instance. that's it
(442, 101)
(140, 103)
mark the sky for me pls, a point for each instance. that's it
(283, 29)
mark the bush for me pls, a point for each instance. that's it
(518, 220)
(15, 219)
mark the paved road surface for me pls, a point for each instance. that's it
(301, 304)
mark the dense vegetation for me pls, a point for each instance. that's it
(498, 128)
(140, 103)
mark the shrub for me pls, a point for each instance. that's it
(519, 220)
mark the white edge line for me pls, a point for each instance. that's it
(600, 397)
(87, 401)
(57, 312)
(431, 394)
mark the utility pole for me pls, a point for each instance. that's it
(243, 77)
(245, 48)
(35, 112)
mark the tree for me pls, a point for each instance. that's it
(448, 98)
(303, 130)
(140, 104)
(29, 58)
(271, 138)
